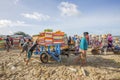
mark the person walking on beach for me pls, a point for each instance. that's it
(30, 51)
(110, 41)
(104, 44)
(83, 49)
(25, 46)
(22, 41)
(7, 43)
(12, 42)
(69, 40)
(77, 42)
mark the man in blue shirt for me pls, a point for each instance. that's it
(83, 44)
(83, 48)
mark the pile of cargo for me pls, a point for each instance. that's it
(48, 37)
(41, 38)
(58, 37)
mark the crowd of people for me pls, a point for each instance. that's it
(80, 44)
(103, 42)
(24, 43)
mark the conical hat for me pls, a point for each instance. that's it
(117, 38)
(104, 36)
(93, 35)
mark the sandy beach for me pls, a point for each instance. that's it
(99, 67)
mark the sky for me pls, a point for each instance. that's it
(70, 16)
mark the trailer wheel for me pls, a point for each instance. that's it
(44, 58)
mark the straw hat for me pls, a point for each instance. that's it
(93, 36)
(104, 36)
(117, 39)
(77, 36)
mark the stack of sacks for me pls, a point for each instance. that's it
(58, 37)
(48, 37)
(41, 38)
(35, 37)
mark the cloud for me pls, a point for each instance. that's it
(9, 23)
(11, 32)
(36, 16)
(95, 21)
(16, 1)
(4, 23)
(68, 9)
